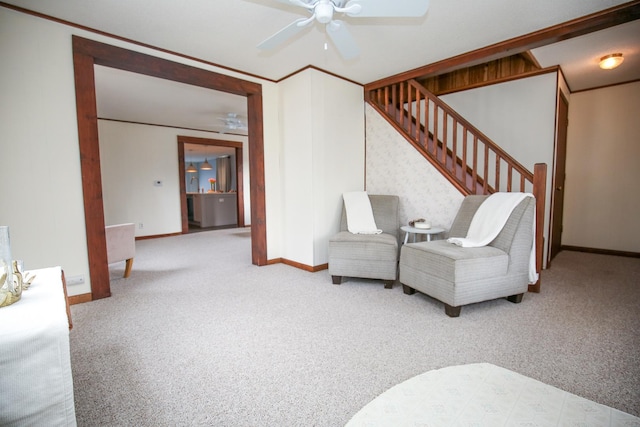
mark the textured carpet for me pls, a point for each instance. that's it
(199, 336)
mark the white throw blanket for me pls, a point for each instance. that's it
(359, 213)
(489, 220)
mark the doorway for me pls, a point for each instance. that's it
(86, 54)
(239, 175)
(559, 178)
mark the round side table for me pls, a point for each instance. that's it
(415, 231)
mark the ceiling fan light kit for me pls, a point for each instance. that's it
(233, 121)
(323, 12)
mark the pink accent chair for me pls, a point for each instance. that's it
(121, 244)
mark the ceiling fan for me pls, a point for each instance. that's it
(233, 121)
(323, 11)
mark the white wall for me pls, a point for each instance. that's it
(39, 131)
(602, 199)
(132, 158)
(323, 156)
(519, 116)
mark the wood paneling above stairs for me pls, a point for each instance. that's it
(496, 71)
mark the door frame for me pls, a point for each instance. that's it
(237, 146)
(559, 175)
(86, 54)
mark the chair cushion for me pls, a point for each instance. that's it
(363, 246)
(454, 263)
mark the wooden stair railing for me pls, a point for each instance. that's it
(465, 156)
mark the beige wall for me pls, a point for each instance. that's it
(602, 199)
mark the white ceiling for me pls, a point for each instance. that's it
(579, 57)
(227, 32)
(127, 96)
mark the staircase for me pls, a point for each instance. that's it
(465, 156)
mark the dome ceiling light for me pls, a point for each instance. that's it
(610, 62)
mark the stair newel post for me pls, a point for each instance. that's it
(539, 191)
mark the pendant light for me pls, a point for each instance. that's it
(191, 168)
(206, 166)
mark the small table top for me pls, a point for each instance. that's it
(432, 230)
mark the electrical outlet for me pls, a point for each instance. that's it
(75, 280)
(140, 225)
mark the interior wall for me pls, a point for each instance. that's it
(323, 156)
(338, 153)
(519, 116)
(40, 126)
(602, 200)
(128, 181)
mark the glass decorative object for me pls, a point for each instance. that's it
(11, 289)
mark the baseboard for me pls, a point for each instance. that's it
(312, 269)
(79, 299)
(155, 236)
(600, 251)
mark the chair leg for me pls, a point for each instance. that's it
(515, 298)
(452, 311)
(336, 280)
(388, 284)
(408, 290)
(127, 268)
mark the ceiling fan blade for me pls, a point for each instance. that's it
(284, 34)
(386, 8)
(342, 39)
(301, 3)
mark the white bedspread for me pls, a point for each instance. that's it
(483, 394)
(359, 213)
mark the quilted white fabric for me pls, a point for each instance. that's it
(483, 394)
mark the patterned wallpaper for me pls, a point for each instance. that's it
(395, 167)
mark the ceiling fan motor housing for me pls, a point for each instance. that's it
(324, 11)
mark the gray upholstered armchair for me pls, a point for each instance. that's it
(463, 275)
(371, 256)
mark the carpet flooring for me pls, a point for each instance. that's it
(197, 335)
